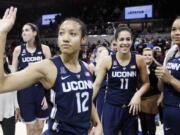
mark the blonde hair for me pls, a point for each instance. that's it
(149, 49)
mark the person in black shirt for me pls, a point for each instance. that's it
(149, 106)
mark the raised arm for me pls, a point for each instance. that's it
(6, 23)
(22, 79)
(102, 67)
(91, 68)
(19, 80)
(169, 54)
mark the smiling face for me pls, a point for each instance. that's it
(175, 32)
(28, 34)
(148, 56)
(70, 37)
(124, 41)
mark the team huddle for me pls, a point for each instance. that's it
(104, 97)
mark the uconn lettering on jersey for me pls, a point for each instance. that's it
(32, 59)
(173, 66)
(76, 85)
(124, 74)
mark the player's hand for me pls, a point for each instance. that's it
(91, 131)
(97, 130)
(163, 74)
(135, 104)
(7, 21)
(44, 104)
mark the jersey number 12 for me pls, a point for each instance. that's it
(82, 99)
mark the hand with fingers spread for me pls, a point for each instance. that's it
(163, 74)
(7, 22)
(135, 104)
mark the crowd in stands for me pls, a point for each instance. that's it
(159, 44)
(101, 18)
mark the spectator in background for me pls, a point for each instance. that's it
(158, 54)
(149, 106)
(113, 46)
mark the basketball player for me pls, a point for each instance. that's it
(169, 77)
(67, 77)
(32, 102)
(122, 100)
(101, 51)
